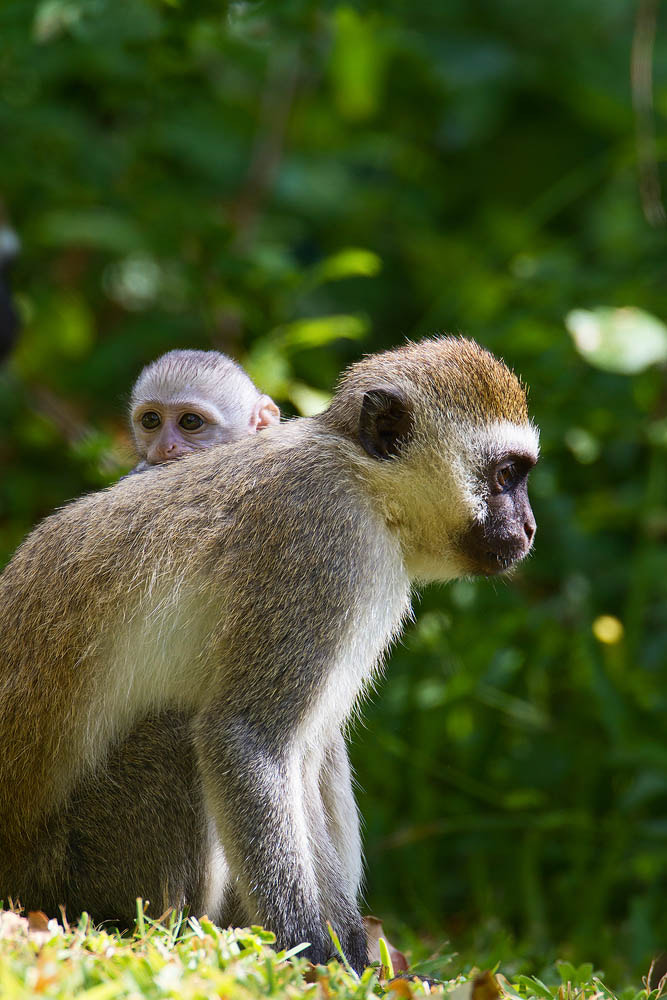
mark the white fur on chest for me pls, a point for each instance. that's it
(375, 621)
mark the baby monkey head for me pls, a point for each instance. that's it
(445, 444)
(187, 401)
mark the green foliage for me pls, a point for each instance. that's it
(188, 959)
(191, 959)
(298, 183)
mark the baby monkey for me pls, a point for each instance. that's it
(190, 400)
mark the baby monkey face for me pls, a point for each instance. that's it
(189, 400)
(166, 432)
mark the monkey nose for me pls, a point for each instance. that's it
(529, 528)
(165, 453)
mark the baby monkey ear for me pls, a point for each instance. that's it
(264, 413)
(385, 422)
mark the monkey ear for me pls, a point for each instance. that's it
(264, 413)
(385, 422)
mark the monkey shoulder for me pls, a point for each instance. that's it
(322, 540)
(295, 489)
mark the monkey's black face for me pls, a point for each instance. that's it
(506, 533)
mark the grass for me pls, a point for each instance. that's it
(192, 959)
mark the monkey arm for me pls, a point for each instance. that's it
(333, 820)
(256, 792)
(342, 815)
(271, 755)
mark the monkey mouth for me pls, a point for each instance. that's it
(490, 552)
(495, 562)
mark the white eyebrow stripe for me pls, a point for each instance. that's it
(503, 437)
(516, 437)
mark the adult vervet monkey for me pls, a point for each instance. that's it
(180, 653)
(191, 400)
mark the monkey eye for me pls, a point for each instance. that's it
(191, 422)
(507, 474)
(150, 420)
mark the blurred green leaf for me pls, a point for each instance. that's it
(576, 976)
(53, 17)
(349, 263)
(534, 987)
(304, 334)
(100, 228)
(624, 340)
(268, 367)
(308, 401)
(61, 333)
(357, 63)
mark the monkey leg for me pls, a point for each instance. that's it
(222, 902)
(137, 826)
(32, 872)
(134, 827)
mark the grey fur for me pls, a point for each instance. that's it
(179, 655)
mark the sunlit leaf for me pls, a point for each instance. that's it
(321, 330)
(625, 340)
(584, 446)
(534, 987)
(268, 367)
(349, 263)
(507, 988)
(386, 965)
(308, 401)
(134, 281)
(380, 949)
(357, 63)
(577, 976)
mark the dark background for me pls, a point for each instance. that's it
(296, 183)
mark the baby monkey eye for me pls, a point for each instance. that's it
(191, 422)
(150, 420)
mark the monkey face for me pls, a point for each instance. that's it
(188, 401)
(445, 443)
(457, 494)
(165, 432)
(504, 535)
